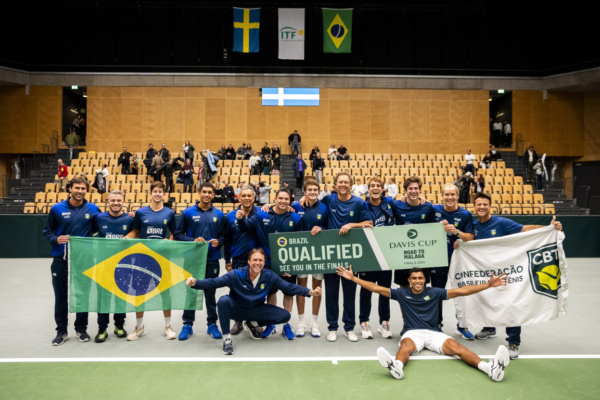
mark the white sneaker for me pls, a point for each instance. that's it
(387, 361)
(170, 333)
(332, 336)
(300, 329)
(352, 336)
(137, 333)
(366, 330)
(314, 330)
(498, 363)
(385, 331)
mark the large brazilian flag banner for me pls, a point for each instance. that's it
(376, 249)
(118, 276)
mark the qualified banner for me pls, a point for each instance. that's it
(369, 249)
(291, 33)
(536, 267)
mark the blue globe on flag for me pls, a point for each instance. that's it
(337, 31)
(137, 274)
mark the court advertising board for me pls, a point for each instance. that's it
(368, 249)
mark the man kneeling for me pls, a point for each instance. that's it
(420, 308)
(246, 300)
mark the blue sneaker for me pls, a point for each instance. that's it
(464, 332)
(288, 333)
(186, 332)
(269, 331)
(213, 331)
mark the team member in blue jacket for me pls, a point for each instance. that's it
(458, 224)
(151, 222)
(237, 243)
(277, 220)
(203, 223)
(112, 224)
(314, 218)
(380, 212)
(344, 212)
(246, 300)
(410, 211)
(488, 226)
(72, 217)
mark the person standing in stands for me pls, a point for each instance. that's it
(299, 167)
(167, 169)
(164, 153)
(125, 161)
(507, 136)
(470, 161)
(204, 223)
(157, 163)
(71, 140)
(188, 152)
(275, 151)
(188, 176)
(150, 153)
(530, 159)
(496, 134)
(318, 164)
(294, 140)
(71, 217)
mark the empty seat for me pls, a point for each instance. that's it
(517, 199)
(527, 210)
(506, 199)
(538, 198)
(40, 197)
(50, 188)
(549, 209)
(527, 199)
(30, 208)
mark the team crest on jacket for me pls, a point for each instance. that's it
(124, 227)
(352, 213)
(318, 216)
(422, 216)
(493, 231)
(291, 223)
(87, 216)
(262, 286)
(214, 219)
(165, 221)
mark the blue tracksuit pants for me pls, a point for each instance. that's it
(264, 314)
(332, 302)
(60, 283)
(382, 278)
(212, 271)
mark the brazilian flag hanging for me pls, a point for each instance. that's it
(337, 30)
(118, 276)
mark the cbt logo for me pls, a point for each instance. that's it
(544, 271)
(412, 234)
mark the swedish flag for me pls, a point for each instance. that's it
(115, 275)
(246, 26)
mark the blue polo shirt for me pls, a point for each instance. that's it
(460, 218)
(207, 224)
(341, 213)
(406, 214)
(64, 219)
(237, 243)
(153, 224)
(496, 227)
(381, 215)
(315, 215)
(420, 311)
(111, 227)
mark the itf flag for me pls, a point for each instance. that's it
(246, 24)
(119, 276)
(291, 33)
(290, 97)
(536, 267)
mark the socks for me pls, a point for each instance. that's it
(301, 318)
(140, 322)
(226, 336)
(167, 322)
(484, 367)
(313, 321)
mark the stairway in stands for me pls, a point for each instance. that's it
(553, 191)
(287, 175)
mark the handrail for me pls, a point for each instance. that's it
(582, 196)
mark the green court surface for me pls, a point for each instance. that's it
(424, 379)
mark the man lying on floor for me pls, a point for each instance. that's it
(246, 300)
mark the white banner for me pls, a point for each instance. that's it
(291, 33)
(536, 267)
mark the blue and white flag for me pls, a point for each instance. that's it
(290, 97)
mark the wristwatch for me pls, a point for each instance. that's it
(457, 232)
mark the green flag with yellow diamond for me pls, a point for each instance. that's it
(119, 276)
(337, 30)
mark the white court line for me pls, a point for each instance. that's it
(334, 360)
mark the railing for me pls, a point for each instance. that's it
(54, 142)
(28, 167)
(45, 153)
(37, 160)
(582, 196)
(595, 205)
(520, 144)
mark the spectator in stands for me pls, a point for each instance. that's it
(458, 183)
(167, 169)
(125, 161)
(188, 152)
(358, 189)
(249, 151)
(276, 166)
(164, 153)
(201, 174)
(342, 153)
(286, 186)
(495, 154)
(467, 184)
(188, 175)
(265, 151)
(104, 172)
(221, 152)
(210, 160)
(530, 158)
(227, 192)
(313, 153)
(332, 153)
(294, 140)
(71, 140)
(75, 123)
(324, 192)
(391, 188)
(479, 184)
(496, 133)
(230, 153)
(82, 131)
(275, 151)
(236, 193)
(256, 186)
(507, 136)
(241, 152)
(299, 167)
(264, 191)
(134, 164)
(486, 162)
(219, 198)
(539, 174)
(63, 173)
(157, 163)
(317, 165)
(254, 164)
(470, 160)
(150, 153)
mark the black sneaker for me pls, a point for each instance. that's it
(60, 339)
(228, 347)
(83, 336)
(120, 331)
(254, 333)
(101, 336)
